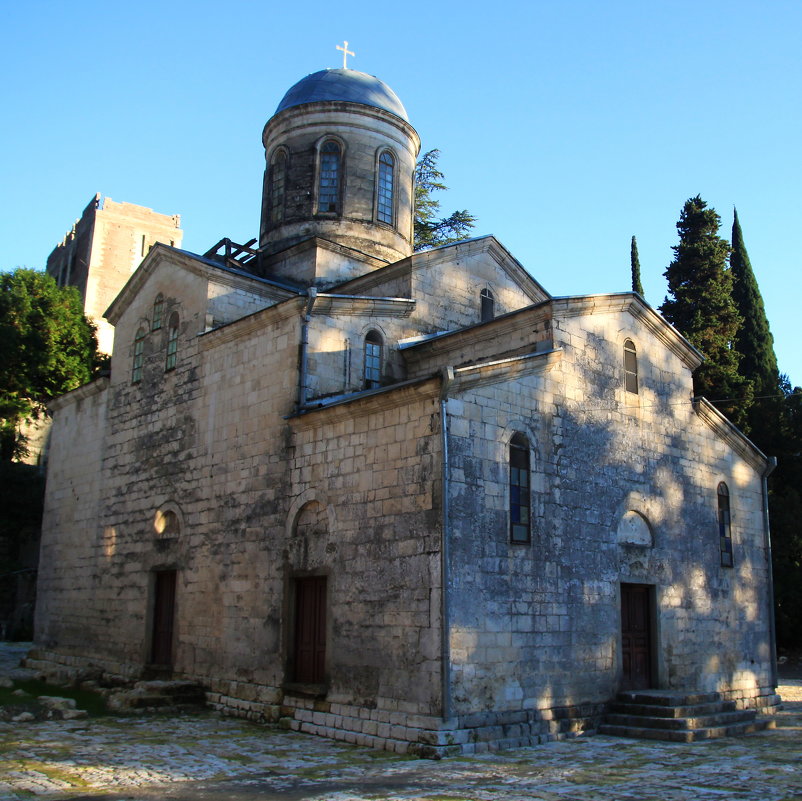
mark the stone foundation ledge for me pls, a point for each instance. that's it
(763, 699)
(430, 736)
(60, 667)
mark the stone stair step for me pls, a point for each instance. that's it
(717, 719)
(667, 697)
(661, 711)
(690, 735)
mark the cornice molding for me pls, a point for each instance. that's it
(161, 254)
(362, 306)
(250, 323)
(83, 392)
(367, 402)
(730, 433)
(582, 305)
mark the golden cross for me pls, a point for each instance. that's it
(346, 53)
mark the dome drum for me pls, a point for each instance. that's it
(340, 170)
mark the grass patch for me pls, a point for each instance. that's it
(93, 703)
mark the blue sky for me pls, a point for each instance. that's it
(566, 127)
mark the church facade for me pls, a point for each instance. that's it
(409, 500)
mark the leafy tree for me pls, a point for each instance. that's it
(637, 286)
(431, 231)
(47, 347)
(700, 305)
(756, 345)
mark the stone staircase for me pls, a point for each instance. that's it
(162, 696)
(679, 717)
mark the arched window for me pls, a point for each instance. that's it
(520, 522)
(630, 366)
(724, 531)
(172, 342)
(328, 197)
(139, 356)
(373, 360)
(488, 305)
(384, 203)
(158, 311)
(278, 182)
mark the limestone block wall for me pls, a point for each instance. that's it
(448, 289)
(374, 466)
(538, 625)
(336, 360)
(228, 301)
(446, 284)
(66, 604)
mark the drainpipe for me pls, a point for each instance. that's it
(310, 302)
(767, 539)
(447, 376)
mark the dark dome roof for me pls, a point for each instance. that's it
(349, 85)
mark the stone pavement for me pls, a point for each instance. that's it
(208, 758)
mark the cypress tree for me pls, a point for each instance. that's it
(755, 344)
(701, 307)
(637, 286)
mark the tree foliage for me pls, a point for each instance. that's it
(47, 347)
(785, 513)
(701, 306)
(637, 286)
(430, 229)
(754, 342)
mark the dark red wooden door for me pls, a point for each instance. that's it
(163, 616)
(636, 636)
(310, 629)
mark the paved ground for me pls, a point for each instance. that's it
(208, 758)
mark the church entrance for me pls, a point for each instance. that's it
(161, 651)
(636, 636)
(310, 630)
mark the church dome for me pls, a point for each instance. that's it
(343, 84)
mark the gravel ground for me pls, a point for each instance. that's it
(208, 758)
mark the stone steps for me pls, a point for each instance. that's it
(160, 695)
(679, 717)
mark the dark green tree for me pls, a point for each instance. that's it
(47, 347)
(430, 229)
(785, 514)
(756, 345)
(637, 286)
(701, 307)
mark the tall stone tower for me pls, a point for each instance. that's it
(340, 162)
(103, 249)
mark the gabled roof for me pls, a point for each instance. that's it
(443, 255)
(580, 305)
(160, 253)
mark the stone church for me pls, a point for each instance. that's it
(410, 500)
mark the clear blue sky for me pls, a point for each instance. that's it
(566, 127)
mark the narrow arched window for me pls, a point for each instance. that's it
(172, 342)
(278, 182)
(630, 366)
(384, 203)
(139, 356)
(724, 530)
(520, 519)
(488, 305)
(328, 197)
(158, 311)
(373, 360)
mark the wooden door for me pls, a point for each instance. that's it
(636, 636)
(310, 630)
(163, 616)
